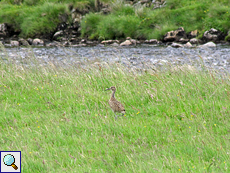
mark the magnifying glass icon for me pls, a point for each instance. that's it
(9, 160)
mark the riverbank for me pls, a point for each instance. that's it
(176, 119)
(69, 22)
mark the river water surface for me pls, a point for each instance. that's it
(134, 57)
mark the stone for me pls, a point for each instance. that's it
(188, 44)
(151, 41)
(126, 43)
(57, 35)
(5, 30)
(183, 40)
(66, 43)
(115, 44)
(176, 45)
(213, 35)
(14, 43)
(37, 41)
(194, 41)
(30, 41)
(175, 35)
(109, 41)
(23, 42)
(53, 44)
(209, 44)
(133, 41)
(192, 34)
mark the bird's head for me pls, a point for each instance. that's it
(113, 88)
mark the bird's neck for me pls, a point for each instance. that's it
(113, 94)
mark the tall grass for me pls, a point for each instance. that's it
(177, 119)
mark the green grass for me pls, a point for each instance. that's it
(33, 18)
(144, 23)
(41, 17)
(177, 120)
(33, 21)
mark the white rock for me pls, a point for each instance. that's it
(14, 43)
(209, 44)
(176, 45)
(151, 41)
(188, 44)
(57, 34)
(126, 43)
(37, 41)
(194, 40)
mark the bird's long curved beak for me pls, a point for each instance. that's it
(107, 89)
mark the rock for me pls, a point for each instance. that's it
(133, 41)
(66, 43)
(14, 43)
(176, 45)
(209, 44)
(83, 41)
(188, 44)
(106, 10)
(37, 41)
(194, 41)
(151, 41)
(23, 42)
(175, 35)
(183, 40)
(57, 35)
(53, 44)
(115, 44)
(158, 3)
(126, 43)
(5, 30)
(30, 41)
(109, 41)
(213, 35)
(192, 34)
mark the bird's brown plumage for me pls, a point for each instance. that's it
(115, 105)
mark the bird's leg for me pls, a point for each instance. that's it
(116, 117)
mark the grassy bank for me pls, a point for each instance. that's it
(145, 23)
(177, 120)
(34, 17)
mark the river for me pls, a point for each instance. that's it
(134, 57)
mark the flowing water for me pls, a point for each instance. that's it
(134, 57)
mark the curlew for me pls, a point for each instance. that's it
(115, 105)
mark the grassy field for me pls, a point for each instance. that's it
(177, 120)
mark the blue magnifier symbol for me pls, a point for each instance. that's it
(9, 160)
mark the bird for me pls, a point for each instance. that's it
(115, 105)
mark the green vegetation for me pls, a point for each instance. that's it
(34, 17)
(141, 22)
(37, 17)
(32, 21)
(177, 120)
